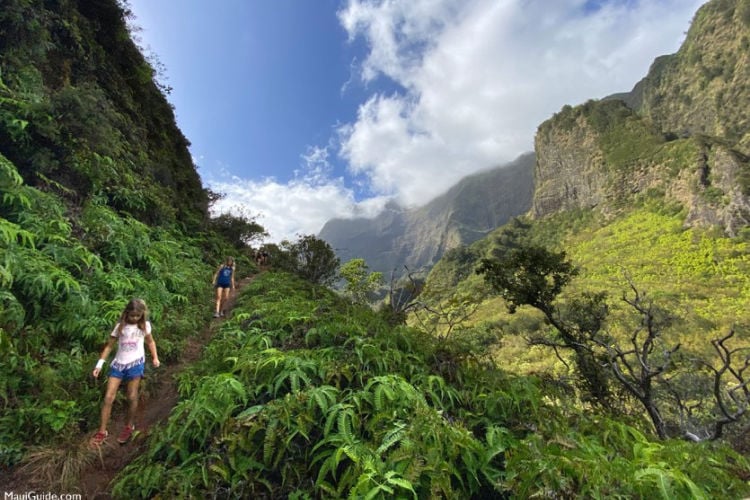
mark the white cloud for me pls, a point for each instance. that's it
(298, 207)
(481, 75)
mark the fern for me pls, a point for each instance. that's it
(11, 234)
(393, 437)
(293, 372)
(441, 394)
(388, 389)
(270, 442)
(322, 397)
(15, 198)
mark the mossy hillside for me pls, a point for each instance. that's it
(702, 89)
(80, 112)
(697, 274)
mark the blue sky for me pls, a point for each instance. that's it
(304, 110)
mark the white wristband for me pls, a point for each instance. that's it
(99, 364)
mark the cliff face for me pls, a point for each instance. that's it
(703, 88)
(418, 237)
(682, 133)
(569, 172)
(80, 111)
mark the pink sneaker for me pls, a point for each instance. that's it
(99, 438)
(124, 436)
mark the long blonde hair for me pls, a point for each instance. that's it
(137, 306)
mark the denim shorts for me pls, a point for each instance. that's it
(128, 373)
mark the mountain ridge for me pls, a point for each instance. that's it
(418, 237)
(672, 135)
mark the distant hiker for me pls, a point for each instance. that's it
(258, 257)
(223, 281)
(264, 257)
(131, 332)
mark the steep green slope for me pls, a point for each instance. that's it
(64, 281)
(99, 203)
(699, 275)
(702, 89)
(681, 132)
(80, 113)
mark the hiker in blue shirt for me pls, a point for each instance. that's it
(223, 281)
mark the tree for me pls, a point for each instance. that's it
(360, 284)
(240, 230)
(532, 275)
(401, 297)
(692, 397)
(309, 257)
(703, 396)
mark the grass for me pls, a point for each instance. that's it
(56, 467)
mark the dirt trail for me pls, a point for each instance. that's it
(156, 402)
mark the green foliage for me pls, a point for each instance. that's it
(241, 230)
(309, 257)
(91, 162)
(697, 274)
(79, 110)
(303, 395)
(607, 459)
(640, 361)
(533, 276)
(64, 278)
(528, 276)
(360, 285)
(357, 413)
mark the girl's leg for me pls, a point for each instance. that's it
(133, 385)
(218, 299)
(113, 383)
(224, 298)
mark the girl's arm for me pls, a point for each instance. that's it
(103, 356)
(151, 343)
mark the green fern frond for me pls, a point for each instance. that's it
(322, 397)
(344, 424)
(12, 234)
(6, 277)
(392, 437)
(270, 441)
(662, 480)
(9, 176)
(250, 413)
